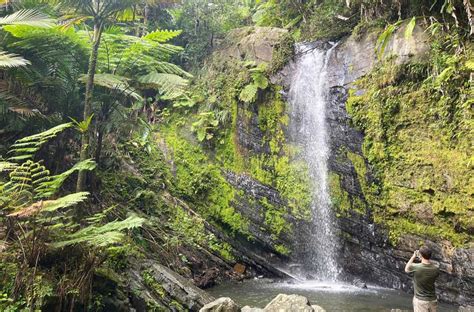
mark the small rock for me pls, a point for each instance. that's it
(239, 268)
(466, 309)
(223, 304)
(208, 278)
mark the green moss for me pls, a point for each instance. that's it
(274, 218)
(200, 181)
(339, 197)
(151, 282)
(417, 138)
(282, 249)
(225, 250)
(177, 306)
(282, 53)
(399, 227)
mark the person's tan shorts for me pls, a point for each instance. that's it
(424, 306)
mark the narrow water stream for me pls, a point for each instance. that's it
(334, 297)
(308, 101)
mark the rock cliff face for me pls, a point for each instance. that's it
(365, 247)
(366, 251)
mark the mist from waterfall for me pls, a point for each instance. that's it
(308, 101)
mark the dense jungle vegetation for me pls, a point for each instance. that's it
(118, 134)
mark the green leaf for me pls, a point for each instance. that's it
(410, 27)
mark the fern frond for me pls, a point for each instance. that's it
(50, 187)
(162, 35)
(26, 147)
(169, 85)
(115, 83)
(170, 68)
(27, 17)
(248, 93)
(10, 60)
(7, 166)
(101, 236)
(64, 202)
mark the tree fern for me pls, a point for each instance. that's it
(162, 35)
(170, 85)
(114, 83)
(27, 17)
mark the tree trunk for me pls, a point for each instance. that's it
(85, 140)
(470, 15)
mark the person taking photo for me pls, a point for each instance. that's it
(424, 277)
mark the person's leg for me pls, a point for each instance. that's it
(422, 306)
(416, 305)
(433, 306)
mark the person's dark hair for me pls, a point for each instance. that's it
(425, 252)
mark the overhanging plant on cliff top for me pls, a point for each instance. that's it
(39, 220)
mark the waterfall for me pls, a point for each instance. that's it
(308, 101)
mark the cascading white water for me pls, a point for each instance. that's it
(308, 101)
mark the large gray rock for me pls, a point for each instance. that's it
(284, 302)
(252, 43)
(250, 309)
(223, 304)
(156, 285)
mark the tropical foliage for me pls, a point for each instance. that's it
(121, 135)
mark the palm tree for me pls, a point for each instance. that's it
(100, 11)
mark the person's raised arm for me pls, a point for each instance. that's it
(410, 262)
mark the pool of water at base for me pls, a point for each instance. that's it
(333, 297)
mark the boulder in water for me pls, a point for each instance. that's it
(317, 308)
(359, 283)
(223, 304)
(284, 302)
(250, 309)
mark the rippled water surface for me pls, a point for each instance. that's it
(332, 297)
